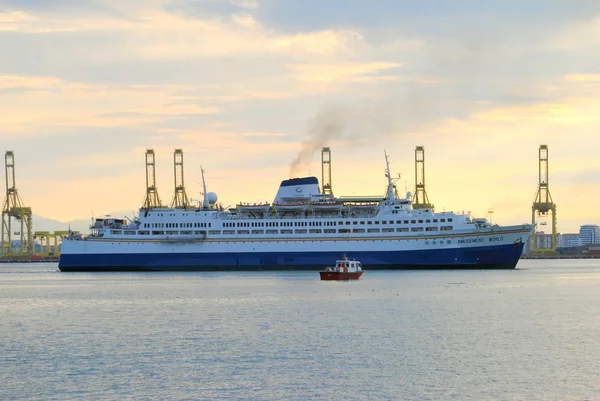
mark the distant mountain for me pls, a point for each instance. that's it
(41, 223)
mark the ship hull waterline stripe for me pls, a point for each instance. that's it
(485, 257)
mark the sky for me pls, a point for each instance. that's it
(252, 89)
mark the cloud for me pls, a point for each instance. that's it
(595, 78)
(158, 34)
(21, 82)
(345, 72)
(50, 101)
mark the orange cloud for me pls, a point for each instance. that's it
(583, 77)
(344, 72)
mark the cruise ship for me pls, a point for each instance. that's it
(302, 229)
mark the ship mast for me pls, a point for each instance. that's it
(390, 188)
(205, 202)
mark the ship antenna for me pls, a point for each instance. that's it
(390, 188)
(205, 198)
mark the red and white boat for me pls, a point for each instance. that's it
(344, 269)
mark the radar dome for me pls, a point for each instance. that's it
(212, 198)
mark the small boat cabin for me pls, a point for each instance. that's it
(346, 266)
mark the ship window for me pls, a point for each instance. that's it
(402, 229)
(446, 228)
(443, 220)
(347, 223)
(413, 221)
(432, 229)
(449, 220)
(427, 221)
(362, 222)
(420, 221)
(417, 229)
(369, 222)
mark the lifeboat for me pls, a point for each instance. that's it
(364, 205)
(327, 206)
(291, 207)
(367, 207)
(253, 207)
(344, 269)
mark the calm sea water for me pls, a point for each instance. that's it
(528, 334)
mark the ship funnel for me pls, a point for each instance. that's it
(297, 190)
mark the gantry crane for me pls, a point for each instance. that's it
(326, 171)
(49, 243)
(420, 199)
(152, 199)
(180, 199)
(543, 205)
(15, 216)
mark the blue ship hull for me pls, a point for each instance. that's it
(490, 257)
